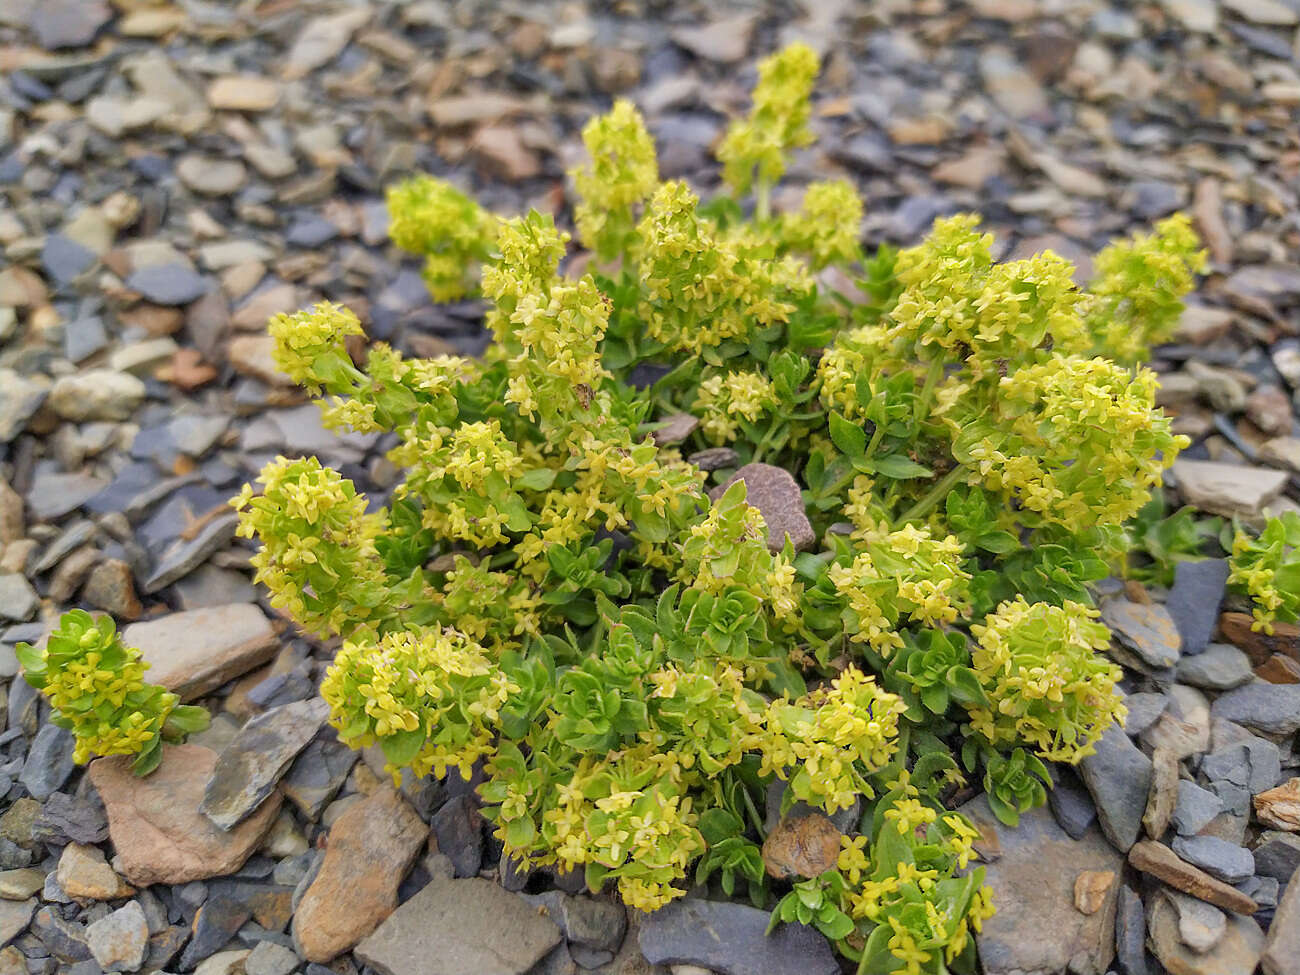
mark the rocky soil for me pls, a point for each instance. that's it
(172, 173)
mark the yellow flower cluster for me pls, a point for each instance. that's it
(1136, 293)
(698, 288)
(907, 575)
(777, 123)
(828, 226)
(495, 609)
(1048, 683)
(826, 743)
(431, 217)
(430, 697)
(95, 685)
(1267, 569)
(309, 346)
(1078, 441)
(318, 557)
(621, 173)
(858, 353)
(725, 398)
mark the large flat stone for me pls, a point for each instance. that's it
(731, 939)
(155, 824)
(454, 927)
(196, 652)
(1033, 883)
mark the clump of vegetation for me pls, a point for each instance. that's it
(553, 595)
(1266, 567)
(96, 688)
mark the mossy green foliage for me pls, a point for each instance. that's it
(551, 594)
(1266, 567)
(95, 685)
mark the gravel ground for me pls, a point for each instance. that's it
(173, 173)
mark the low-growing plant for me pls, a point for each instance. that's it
(553, 595)
(96, 688)
(1266, 567)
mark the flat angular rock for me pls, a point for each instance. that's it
(1162, 863)
(1194, 808)
(186, 554)
(18, 600)
(1219, 858)
(251, 765)
(729, 939)
(84, 873)
(1279, 807)
(1271, 708)
(1236, 953)
(1118, 775)
(318, 774)
(1282, 950)
(1194, 601)
(120, 941)
(196, 652)
(1230, 490)
(321, 41)
(155, 824)
(775, 493)
(1033, 882)
(1146, 629)
(1219, 667)
(370, 849)
(49, 762)
(453, 927)
(14, 918)
(168, 284)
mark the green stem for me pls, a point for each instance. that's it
(753, 813)
(932, 378)
(933, 496)
(762, 200)
(862, 962)
(877, 435)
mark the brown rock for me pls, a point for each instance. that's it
(243, 93)
(1283, 947)
(252, 315)
(502, 153)
(1237, 952)
(1259, 646)
(806, 846)
(370, 849)
(1280, 807)
(84, 873)
(972, 170)
(1164, 792)
(1278, 669)
(1091, 889)
(111, 587)
(251, 355)
(187, 370)
(1270, 409)
(723, 40)
(155, 824)
(195, 652)
(775, 493)
(1207, 207)
(1162, 863)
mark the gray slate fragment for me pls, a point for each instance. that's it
(1271, 708)
(54, 495)
(1194, 601)
(1118, 775)
(1219, 667)
(1147, 630)
(61, 24)
(1144, 709)
(14, 917)
(453, 927)
(775, 493)
(1195, 808)
(49, 762)
(459, 829)
(318, 774)
(168, 284)
(1219, 858)
(254, 762)
(1070, 802)
(64, 259)
(1131, 933)
(120, 940)
(1277, 855)
(18, 600)
(186, 554)
(730, 939)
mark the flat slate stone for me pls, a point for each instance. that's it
(1146, 629)
(196, 652)
(1219, 858)
(168, 284)
(1219, 667)
(453, 927)
(1033, 882)
(1271, 708)
(1118, 775)
(1195, 599)
(730, 939)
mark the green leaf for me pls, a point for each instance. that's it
(538, 479)
(717, 824)
(840, 926)
(401, 747)
(30, 659)
(849, 437)
(900, 468)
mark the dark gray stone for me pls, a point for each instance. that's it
(1143, 711)
(731, 939)
(1195, 808)
(1271, 708)
(1219, 667)
(459, 829)
(1219, 858)
(53, 495)
(775, 493)
(68, 23)
(84, 337)
(223, 914)
(1277, 855)
(186, 554)
(49, 762)
(168, 284)
(251, 765)
(1070, 802)
(69, 818)
(318, 773)
(1131, 933)
(1146, 629)
(1195, 599)
(1118, 775)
